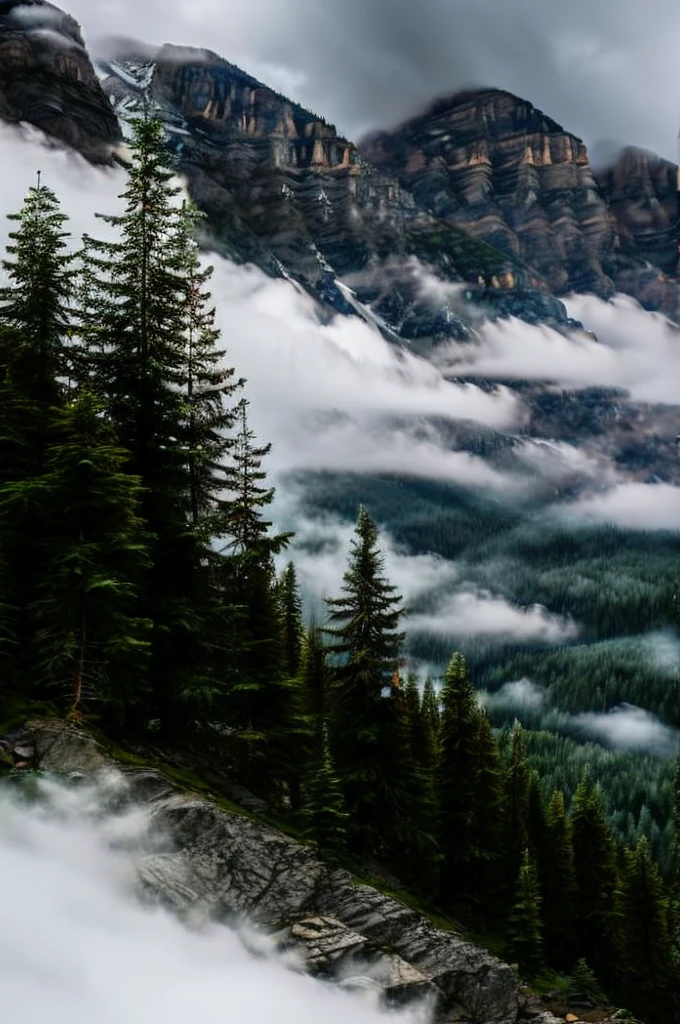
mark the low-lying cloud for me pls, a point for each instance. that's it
(631, 506)
(478, 613)
(628, 727)
(635, 350)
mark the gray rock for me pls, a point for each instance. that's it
(225, 865)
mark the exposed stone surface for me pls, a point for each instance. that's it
(492, 163)
(225, 864)
(47, 78)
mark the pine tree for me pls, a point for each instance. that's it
(431, 708)
(211, 386)
(134, 357)
(366, 652)
(260, 697)
(323, 812)
(487, 830)
(292, 633)
(35, 306)
(595, 875)
(516, 802)
(88, 643)
(456, 780)
(526, 928)
(558, 884)
(646, 968)
(35, 318)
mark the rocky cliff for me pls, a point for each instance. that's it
(482, 191)
(47, 78)
(222, 863)
(493, 164)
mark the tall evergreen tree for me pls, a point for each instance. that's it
(526, 928)
(292, 632)
(87, 641)
(487, 831)
(431, 708)
(456, 779)
(595, 873)
(36, 303)
(516, 799)
(646, 967)
(259, 694)
(366, 648)
(558, 884)
(323, 811)
(35, 319)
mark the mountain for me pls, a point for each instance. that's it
(47, 78)
(491, 163)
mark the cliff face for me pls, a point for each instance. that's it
(483, 190)
(47, 79)
(491, 163)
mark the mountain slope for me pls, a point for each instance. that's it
(47, 78)
(493, 164)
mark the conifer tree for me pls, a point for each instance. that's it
(526, 928)
(595, 876)
(134, 357)
(516, 802)
(366, 649)
(646, 968)
(292, 632)
(456, 779)
(323, 812)
(88, 643)
(35, 305)
(211, 386)
(486, 882)
(558, 884)
(431, 708)
(259, 695)
(35, 318)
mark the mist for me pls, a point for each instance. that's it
(77, 946)
(634, 350)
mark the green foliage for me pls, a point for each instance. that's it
(323, 810)
(644, 940)
(526, 928)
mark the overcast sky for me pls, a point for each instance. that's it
(606, 69)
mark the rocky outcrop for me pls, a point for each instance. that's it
(641, 191)
(491, 163)
(47, 79)
(227, 865)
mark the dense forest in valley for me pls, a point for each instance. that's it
(139, 591)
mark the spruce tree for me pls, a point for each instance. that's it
(516, 802)
(292, 632)
(260, 697)
(558, 884)
(88, 644)
(36, 303)
(645, 967)
(323, 811)
(35, 322)
(487, 829)
(526, 928)
(366, 650)
(456, 780)
(595, 875)
(431, 708)
(134, 358)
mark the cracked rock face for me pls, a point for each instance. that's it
(47, 79)
(226, 865)
(491, 163)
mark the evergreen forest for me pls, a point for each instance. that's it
(141, 591)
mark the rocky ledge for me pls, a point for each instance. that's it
(227, 865)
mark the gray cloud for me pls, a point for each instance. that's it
(630, 728)
(605, 70)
